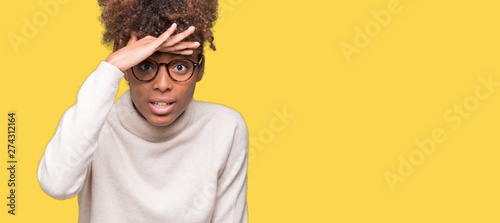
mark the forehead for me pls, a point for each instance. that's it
(163, 56)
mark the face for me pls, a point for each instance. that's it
(162, 100)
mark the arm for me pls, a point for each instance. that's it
(231, 203)
(67, 158)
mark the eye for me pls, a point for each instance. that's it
(180, 67)
(145, 66)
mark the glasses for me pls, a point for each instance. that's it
(179, 70)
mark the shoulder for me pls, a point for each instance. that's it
(224, 123)
(218, 113)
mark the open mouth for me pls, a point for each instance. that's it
(161, 104)
(161, 108)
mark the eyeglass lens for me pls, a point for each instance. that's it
(179, 70)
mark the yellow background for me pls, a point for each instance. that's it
(352, 120)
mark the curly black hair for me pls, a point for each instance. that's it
(153, 17)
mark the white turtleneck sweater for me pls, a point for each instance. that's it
(125, 169)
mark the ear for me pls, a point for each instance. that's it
(126, 75)
(201, 69)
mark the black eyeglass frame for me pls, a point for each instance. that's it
(158, 65)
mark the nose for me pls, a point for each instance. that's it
(162, 82)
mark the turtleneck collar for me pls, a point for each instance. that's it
(139, 126)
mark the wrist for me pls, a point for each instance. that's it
(112, 61)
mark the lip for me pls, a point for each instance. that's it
(162, 109)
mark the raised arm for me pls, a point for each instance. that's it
(64, 165)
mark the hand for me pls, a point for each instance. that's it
(138, 50)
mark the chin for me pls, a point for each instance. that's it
(161, 120)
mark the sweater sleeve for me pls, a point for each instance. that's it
(231, 203)
(64, 166)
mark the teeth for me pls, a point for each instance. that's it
(160, 104)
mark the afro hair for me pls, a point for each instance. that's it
(153, 17)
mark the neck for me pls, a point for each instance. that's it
(132, 120)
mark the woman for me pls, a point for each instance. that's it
(157, 155)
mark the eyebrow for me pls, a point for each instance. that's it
(175, 56)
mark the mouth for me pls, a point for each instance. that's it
(161, 104)
(161, 108)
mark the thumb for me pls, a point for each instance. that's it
(133, 39)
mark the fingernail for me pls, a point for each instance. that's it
(196, 43)
(191, 27)
(173, 24)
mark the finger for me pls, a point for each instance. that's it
(183, 52)
(133, 39)
(177, 38)
(165, 35)
(180, 46)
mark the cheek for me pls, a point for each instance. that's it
(187, 93)
(138, 93)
